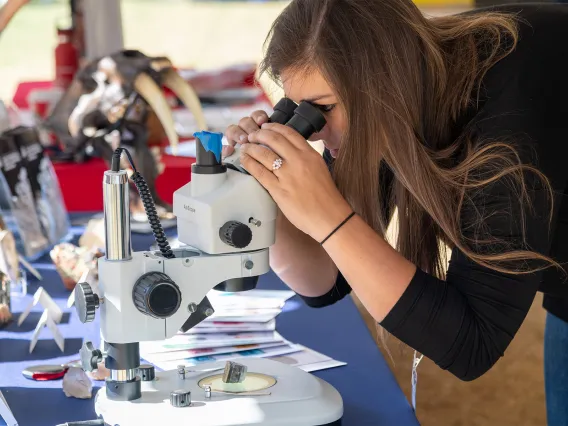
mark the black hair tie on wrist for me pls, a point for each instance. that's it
(338, 226)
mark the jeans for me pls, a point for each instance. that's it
(556, 370)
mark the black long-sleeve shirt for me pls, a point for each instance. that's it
(466, 322)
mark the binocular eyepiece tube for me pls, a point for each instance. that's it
(305, 118)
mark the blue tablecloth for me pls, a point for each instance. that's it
(370, 393)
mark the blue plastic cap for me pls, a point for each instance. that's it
(211, 142)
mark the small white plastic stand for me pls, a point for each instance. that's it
(5, 412)
(51, 316)
(47, 320)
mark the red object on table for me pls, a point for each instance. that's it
(66, 59)
(42, 377)
(20, 98)
(82, 184)
(45, 372)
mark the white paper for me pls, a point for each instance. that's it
(252, 299)
(231, 327)
(308, 360)
(244, 325)
(199, 341)
(5, 412)
(44, 299)
(255, 353)
(244, 315)
(194, 353)
(47, 320)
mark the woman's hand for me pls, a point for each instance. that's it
(238, 133)
(302, 187)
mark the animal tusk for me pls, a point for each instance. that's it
(149, 90)
(160, 64)
(185, 92)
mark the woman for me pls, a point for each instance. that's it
(461, 123)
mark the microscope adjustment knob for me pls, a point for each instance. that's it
(146, 372)
(86, 302)
(156, 295)
(180, 398)
(90, 357)
(235, 234)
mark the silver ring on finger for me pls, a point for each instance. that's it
(277, 163)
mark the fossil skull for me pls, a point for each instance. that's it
(116, 78)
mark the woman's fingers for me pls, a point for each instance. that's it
(260, 117)
(261, 154)
(264, 176)
(275, 141)
(238, 133)
(248, 125)
(235, 134)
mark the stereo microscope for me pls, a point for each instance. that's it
(226, 223)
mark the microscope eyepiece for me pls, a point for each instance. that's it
(283, 111)
(307, 120)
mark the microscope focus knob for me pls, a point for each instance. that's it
(235, 234)
(86, 302)
(156, 295)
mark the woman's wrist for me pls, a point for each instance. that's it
(335, 216)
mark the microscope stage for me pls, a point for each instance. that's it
(273, 394)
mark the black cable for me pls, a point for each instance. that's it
(147, 200)
(115, 163)
(153, 219)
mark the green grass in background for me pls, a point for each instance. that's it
(196, 34)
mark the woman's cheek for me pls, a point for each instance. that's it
(322, 135)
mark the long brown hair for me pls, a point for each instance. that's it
(404, 81)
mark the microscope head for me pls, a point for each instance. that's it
(224, 210)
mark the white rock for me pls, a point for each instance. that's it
(77, 384)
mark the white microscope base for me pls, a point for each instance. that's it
(297, 399)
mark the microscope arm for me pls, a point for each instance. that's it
(169, 295)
